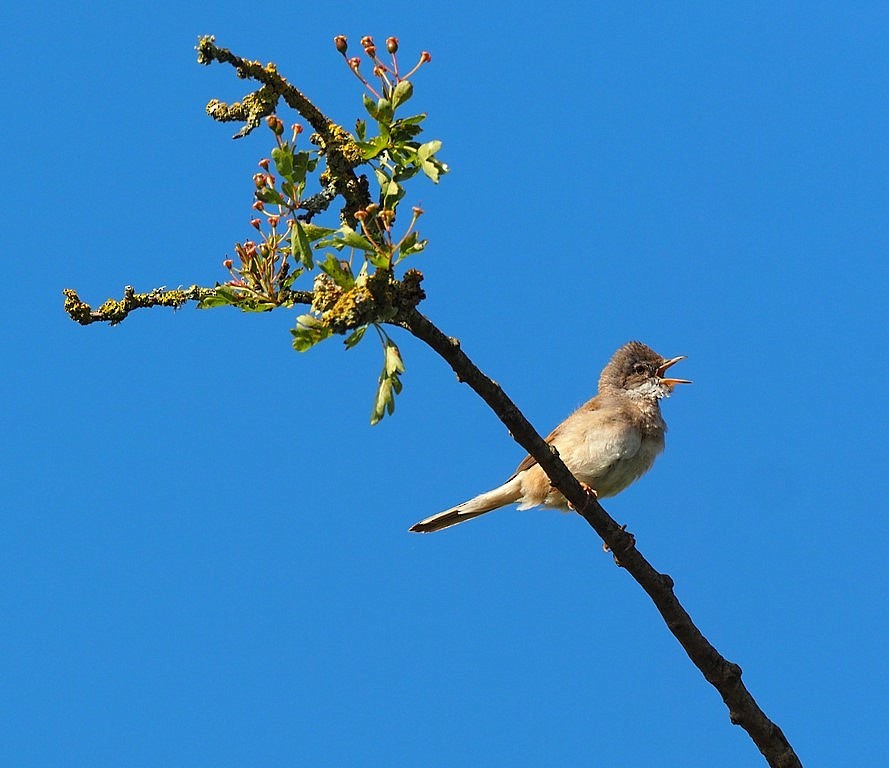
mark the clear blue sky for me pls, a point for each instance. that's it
(204, 554)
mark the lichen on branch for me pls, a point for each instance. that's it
(115, 311)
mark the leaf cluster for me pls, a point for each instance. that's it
(352, 264)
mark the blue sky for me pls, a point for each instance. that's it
(204, 555)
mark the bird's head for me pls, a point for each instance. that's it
(638, 371)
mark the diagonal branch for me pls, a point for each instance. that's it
(722, 674)
(342, 157)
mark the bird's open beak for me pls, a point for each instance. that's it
(663, 368)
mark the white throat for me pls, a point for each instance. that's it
(650, 390)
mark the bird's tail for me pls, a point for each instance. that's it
(509, 492)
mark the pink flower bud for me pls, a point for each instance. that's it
(425, 56)
(227, 263)
(256, 223)
(258, 205)
(273, 221)
(354, 62)
(264, 163)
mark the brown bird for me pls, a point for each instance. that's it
(607, 443)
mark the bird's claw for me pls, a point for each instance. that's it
(631, 542)
(588, 490)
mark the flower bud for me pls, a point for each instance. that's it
(264, 163)
(360, 215)
(355, 62)
(392, 44)
(341, 45)
(273, 221)
(297, 129)
(258, 205)
(256, 223)
(371, 50)
(259, 180)
(417, 210)
(227, 263)
(425, 56)
(366, 41)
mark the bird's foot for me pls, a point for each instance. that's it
(631, 542)
(588, 489)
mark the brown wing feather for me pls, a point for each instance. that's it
(529, 461)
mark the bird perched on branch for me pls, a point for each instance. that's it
(607, 443)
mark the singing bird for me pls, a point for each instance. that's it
(607, 443)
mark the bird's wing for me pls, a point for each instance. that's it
(618, 444)
(529, 461)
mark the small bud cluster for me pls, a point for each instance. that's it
(388, 74)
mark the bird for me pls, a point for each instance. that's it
(607, 443)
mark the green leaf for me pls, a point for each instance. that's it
(269, 196)
(370, 149)
(389, 383)
(308, 332)
(370, 105)
(314, 232)
(252, 305)
(384, 113)
(411, 245)
(402, 92)
(394, 364)
(392, 189)
(431, 170)
(222, 296)
(344, 236)
(301, 165)
(401, 133)
(299, 244)
(360, 129)
(427, 150)
(339, 271)
(379, 260)
(353, 338)
(382, 400)
(283, 157)
(412, 120)
(407, 173)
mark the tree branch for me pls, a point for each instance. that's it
(396, 304)
(336, 142)
(722, 674)
(114, 311)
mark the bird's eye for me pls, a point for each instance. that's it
(639, 368)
